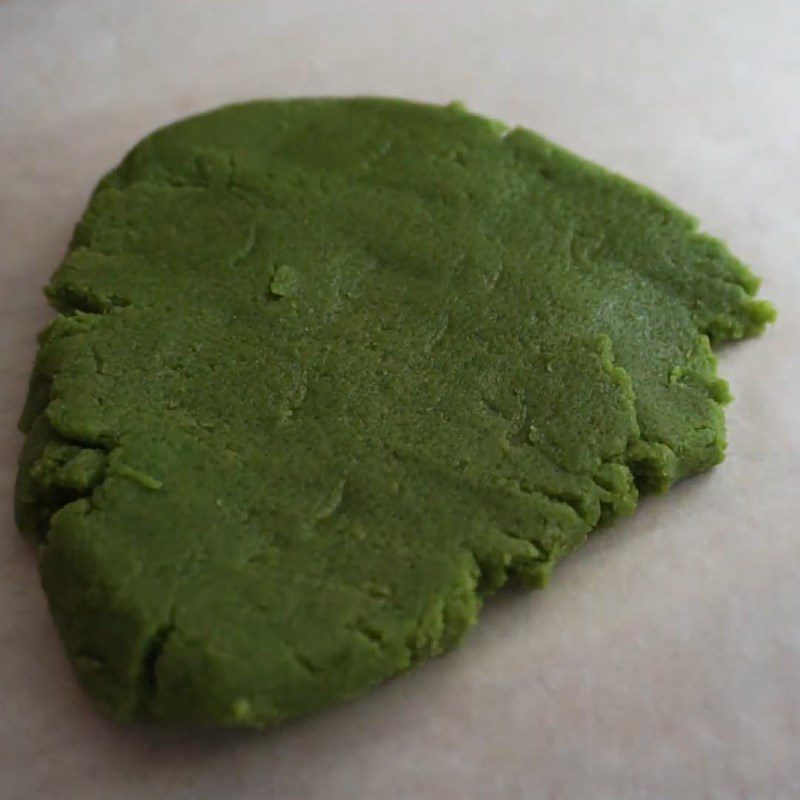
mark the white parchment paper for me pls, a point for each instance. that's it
(664, 660)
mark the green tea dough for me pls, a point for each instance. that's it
(327, 373)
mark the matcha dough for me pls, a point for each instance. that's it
(327, 373)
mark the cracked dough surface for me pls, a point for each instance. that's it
(328, 373)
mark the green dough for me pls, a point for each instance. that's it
(327, 373)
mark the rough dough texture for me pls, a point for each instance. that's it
(329, 372)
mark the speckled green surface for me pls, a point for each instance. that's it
(328, 373)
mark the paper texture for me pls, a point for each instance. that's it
(664, 659)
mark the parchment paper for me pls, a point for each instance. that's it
(664, 659)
